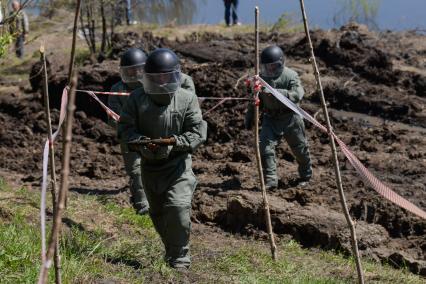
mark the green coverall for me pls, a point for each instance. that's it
(131, 159)
(167, 174)
(279, 121)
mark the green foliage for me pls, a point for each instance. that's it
(283, 22)
(5, 40)
(286, 23)
(81, 55)
(361, 11)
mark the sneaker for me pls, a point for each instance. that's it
(237, 24)
(179, 266)
(303, 181)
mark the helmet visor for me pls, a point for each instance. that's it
(162, 83)
(272, 70)
(132, 74)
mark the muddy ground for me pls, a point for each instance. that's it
(375, 84)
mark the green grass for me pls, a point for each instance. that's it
(109, 242)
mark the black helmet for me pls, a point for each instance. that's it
(132, 62)
(271, 62)
(272, 54)
(162, 75)
(132, 56)
(161, 60)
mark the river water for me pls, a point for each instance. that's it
(380, 14)
(326, 14)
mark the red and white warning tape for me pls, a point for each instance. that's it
(364, 173)
(105, 93)
(109, 111)
(116, 117)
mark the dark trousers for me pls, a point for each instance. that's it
(118, 14)
(19, 46)
(231, 5)
(129, 18)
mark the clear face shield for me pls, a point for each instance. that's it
(162, 83)
(132, 74)
(272, 70)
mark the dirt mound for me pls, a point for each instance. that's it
(376, 90)
(95, 152)
(147, 41)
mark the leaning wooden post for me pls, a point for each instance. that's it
(57, 260)
(72, 59)
(67, 132)
(74, 37)
(256, 135)
(333, 150)
(57, 221)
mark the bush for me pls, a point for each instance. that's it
(5, 41)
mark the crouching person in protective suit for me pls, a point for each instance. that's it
(163, 123)
(278, 120)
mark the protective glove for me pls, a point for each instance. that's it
(153, 147)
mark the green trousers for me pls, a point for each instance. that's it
(291, 127)
(132, 165)
(170, 209)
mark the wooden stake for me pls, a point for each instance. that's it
(333, 150)
(57, 221)
(258, 159)
(57, 260)
(67, 132)
(74, 36)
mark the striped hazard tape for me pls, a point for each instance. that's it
(116, 117)
(367, 177)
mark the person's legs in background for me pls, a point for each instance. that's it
(129, 18)
(234, 12)
(19, 46)
(227, 12)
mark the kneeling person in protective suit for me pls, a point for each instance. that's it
(132, 62)
(278, 120)
(163, 123)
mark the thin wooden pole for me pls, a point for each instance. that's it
(333, 150)
(57, 260)
(67, 132)
(57, 221)
(258, 159)
(74, 36)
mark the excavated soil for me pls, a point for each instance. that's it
(375, 84)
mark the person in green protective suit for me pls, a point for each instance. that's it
(163, 110)
(278, 120)
(132, 62)
(131, 71)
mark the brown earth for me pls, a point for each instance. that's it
(375, 84)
